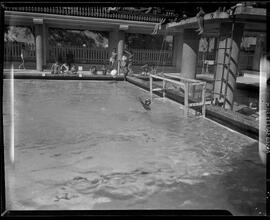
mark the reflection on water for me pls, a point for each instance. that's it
(91, 145)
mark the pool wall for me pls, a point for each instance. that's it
(65, 77)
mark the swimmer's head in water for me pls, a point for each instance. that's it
(147, 101)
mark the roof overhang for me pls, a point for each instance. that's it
(253, 18)
(77, 22)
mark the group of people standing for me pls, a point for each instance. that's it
(125, 62)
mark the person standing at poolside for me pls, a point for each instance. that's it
(113, 58)
(128, 61)
(55, 68)
(22, 57)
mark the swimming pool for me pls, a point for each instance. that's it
(91, 145)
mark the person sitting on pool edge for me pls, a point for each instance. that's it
(56, 68)
(93, 70)
(73, 69)
(64, 68)
(145, 70)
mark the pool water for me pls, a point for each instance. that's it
(91, 145)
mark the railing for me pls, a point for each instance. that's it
(185, 83)
(80, 54)
(152, 57)
(100, 12)
(12, 51)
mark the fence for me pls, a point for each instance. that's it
(87, 55)
(152, 57)
(184, 83)
(12, 51)
(80, 54)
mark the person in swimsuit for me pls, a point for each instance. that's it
(64, 68)
(55, 68)
(22, 57)
(113, 58)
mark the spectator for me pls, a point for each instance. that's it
(145, 69)
(93, 70)
(56, 68)
(64, 68)
(22, 57)
(113, 58)
(104, 70)
(200, 16)
(73, 69)
(127, 58)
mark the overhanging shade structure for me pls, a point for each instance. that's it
(229, 28)
(79, 18)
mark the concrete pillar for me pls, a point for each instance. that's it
(257, 54)
(45, 44)
(121, 44)
(177, 51)
(39, 42)
(226, 65)
(189, 53)
(117, 40)
(113, 40)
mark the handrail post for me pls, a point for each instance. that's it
(186, 99)
(151, 87)
(163, 88)
(203, 99)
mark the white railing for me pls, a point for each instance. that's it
(185, 84)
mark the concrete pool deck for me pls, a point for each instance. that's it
(78, 146)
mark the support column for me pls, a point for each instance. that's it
(227, 65)
(177, 51)
(45, 44)
(39, 43)
(117, 40)
(189, 53)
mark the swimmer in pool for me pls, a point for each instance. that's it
(146, 103)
